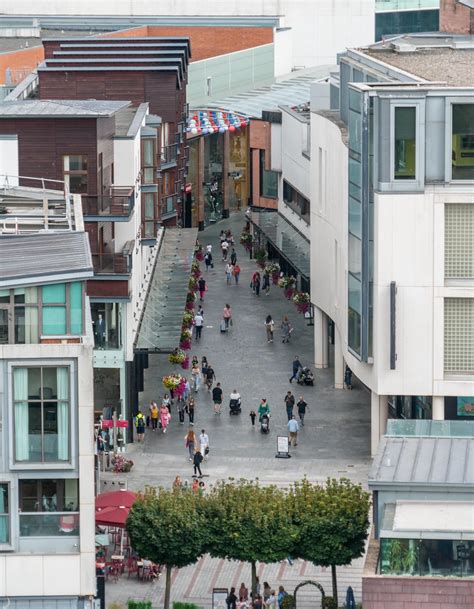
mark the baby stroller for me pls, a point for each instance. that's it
(235, 407)
(265, 423)
(305, 377)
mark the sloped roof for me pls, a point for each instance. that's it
(61, 108)
(46, 256)
(423, 461)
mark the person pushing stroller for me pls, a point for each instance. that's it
(264, 416)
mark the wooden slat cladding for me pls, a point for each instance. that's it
(107, 289)
(42, 143)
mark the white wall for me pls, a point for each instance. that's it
(283, 44)
(9, 159)
(321, 28)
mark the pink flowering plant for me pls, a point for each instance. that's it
(302, 301)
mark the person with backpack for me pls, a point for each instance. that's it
(208, 260)
(281, 595)
(140, 426)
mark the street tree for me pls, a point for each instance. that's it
(168, 528)
(249, 523)
(332, 522)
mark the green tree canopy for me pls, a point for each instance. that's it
(249, 523)
(332, 522)
(168, 528)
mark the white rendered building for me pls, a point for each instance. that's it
(47, 499)
(392, 227)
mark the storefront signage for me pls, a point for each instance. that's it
(283, 448)
(107, 423)
(121, 423)
(219, 597)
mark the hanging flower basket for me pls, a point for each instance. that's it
(193, 284)
(273, 269)
(185, 363)
(188, 319)
(190, 297)
(288, 292)
(199, 253)
(190, 306)
(302, 301)
(246, 240)
(260, 256)
(185, 340)
(172, 381)
(121, 464)
(177, 357)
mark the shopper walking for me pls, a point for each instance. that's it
(227, 315)
(293, 429)
(181, 406)
(256, 283)
(228, 273)
(269, 327)
(266, 283)
(217, 398)
(196, 376)
(210, 376)
(296, 366)
(236, 273)
(154, 414)
(289, 403)
(197, 460)
(165, 417)
(198, 325)
(208, 260)
(233, 257)
(286, 330)
(263, 408)
(190, 443)
(201, 288)
(204, 443)
(348, 378)
(224, 248)
(302, 406)
(191, 409)
(140, 426)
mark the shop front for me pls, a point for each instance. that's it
(218, 176)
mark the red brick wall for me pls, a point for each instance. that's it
(383, 592)
(455, 17)
(206, 41)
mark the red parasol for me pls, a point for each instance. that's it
(112, 516)
(120, 498)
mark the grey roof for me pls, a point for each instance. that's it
(60, 108)
(44, 256)
(292, 91)
(423, 461)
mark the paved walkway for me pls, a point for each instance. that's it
(334, 442)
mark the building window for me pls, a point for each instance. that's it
(459, 335)
(149, 213)
(48, 508)
(405, 143)
(4, 514)
(106, 320)
(297, 202)
(459, 241)
(148, 153)
(41, 413)
(62, 307)
(463, 142)
(75, 173)
(268, 180)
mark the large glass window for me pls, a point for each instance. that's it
(268, 180)
(41, 412)
(4, 514)
(75, 173)
(48, 508)
(297, 202)
(149, 213)
(106, 320)
(463, 142)
(405, 143)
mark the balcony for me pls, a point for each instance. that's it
(111, 264)
(118, 203)
(169, 206)
(169, 155)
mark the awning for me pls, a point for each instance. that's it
(428, 520)
(162, 318)
(285, 238)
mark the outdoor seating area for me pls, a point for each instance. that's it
(114, 553)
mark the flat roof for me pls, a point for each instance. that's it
(129, 120)
(423, 461)
(60, 108)
(46, 256)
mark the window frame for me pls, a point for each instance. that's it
(262, 171)
(448, 169)
(5, 480)
(393, 107)
(72, 463)
(75, 172)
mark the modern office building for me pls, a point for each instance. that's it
(394, 17)
(391, 226)
(47, 536)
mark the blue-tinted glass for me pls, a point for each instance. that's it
(355, 172)
(355, 256)
(355, 293)
(355, 217)
(54, 294)
(355, 131)
(75, 295)
(54, 320)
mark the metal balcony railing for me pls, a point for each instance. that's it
(169, 204)
(110, 264)
(169, 154)
(119, 202)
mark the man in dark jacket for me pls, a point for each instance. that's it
(289, 402)
(217, 398)
(197, 460)
(302, 405)
(296, 368)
